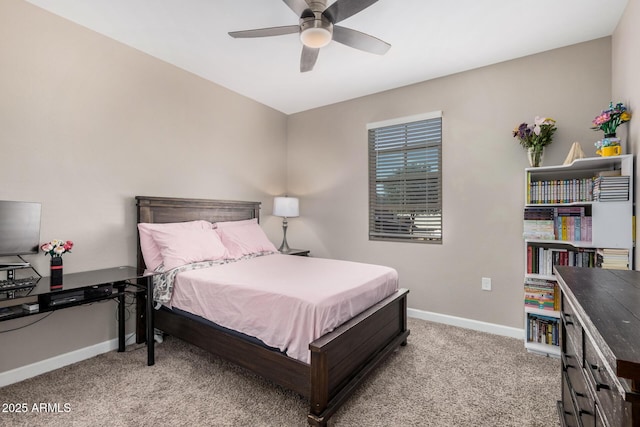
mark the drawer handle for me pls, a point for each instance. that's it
(565, 319)
(582, 412)
(574, 397)
(565, 361)
(599, 385)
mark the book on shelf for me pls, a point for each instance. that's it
(539, 229)
(611, 188)
(614, 172)
(538, 213)
(606, 186)
(538, 223)
(542, 329)
(613, 259)
(541, 259)
(560, 191)
(572, 224)
(569, 223)
(541, 294)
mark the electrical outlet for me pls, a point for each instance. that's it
(486, 283)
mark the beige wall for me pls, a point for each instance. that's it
(482, 170)
(85, 125)
(626, 81)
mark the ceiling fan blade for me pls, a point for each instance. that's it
(265, 32)
(361, 41)
(308, 58)
(342, 9)
(298, 6)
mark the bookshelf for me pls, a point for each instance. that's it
(576, 215)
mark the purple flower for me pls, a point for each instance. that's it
(537, 135)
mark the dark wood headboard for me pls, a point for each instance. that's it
(167, 209)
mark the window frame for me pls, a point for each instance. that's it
(405, 213)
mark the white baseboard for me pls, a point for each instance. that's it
(56, 362)
(476, 325)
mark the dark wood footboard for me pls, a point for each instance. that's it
(343, 358)
(340, 360)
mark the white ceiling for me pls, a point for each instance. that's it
(429, 39)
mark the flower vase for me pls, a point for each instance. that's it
(610, 145)
(536, 155)
(55, 281)
(610, 139)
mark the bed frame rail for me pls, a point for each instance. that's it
(285, 371)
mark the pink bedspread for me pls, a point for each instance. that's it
(286, 301)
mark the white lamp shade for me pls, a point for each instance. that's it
(286, 207)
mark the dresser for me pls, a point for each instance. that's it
(600, 347)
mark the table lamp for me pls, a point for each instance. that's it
(286, 207)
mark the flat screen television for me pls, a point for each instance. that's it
(19, 228)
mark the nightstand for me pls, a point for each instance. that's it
(298, 252)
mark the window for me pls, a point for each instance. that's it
(405, 179)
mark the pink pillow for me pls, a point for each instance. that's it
(226, 224)
(189, 245)
(150, 250)
(245, 240)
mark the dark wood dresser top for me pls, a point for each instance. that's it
(608, 304)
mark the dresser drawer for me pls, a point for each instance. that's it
(610, 402)
(572, 329)
(600, 419)
(566, 408)
(583, 400)
(579, 407)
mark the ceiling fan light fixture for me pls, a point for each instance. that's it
(315, 31)
(317, 28)
(315, 37)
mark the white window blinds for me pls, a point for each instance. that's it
(405, 179)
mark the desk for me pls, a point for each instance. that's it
(85, 288)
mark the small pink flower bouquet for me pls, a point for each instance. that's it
(609, 120)
(56, 248)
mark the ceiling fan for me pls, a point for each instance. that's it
(317, 28)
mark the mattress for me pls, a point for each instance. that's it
(285, 301)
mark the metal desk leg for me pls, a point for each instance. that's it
(149, 315)
(121, 319)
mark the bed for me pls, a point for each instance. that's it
(338, 361)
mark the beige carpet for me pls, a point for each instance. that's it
(445, 376)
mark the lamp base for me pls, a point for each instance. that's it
(284, 247)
